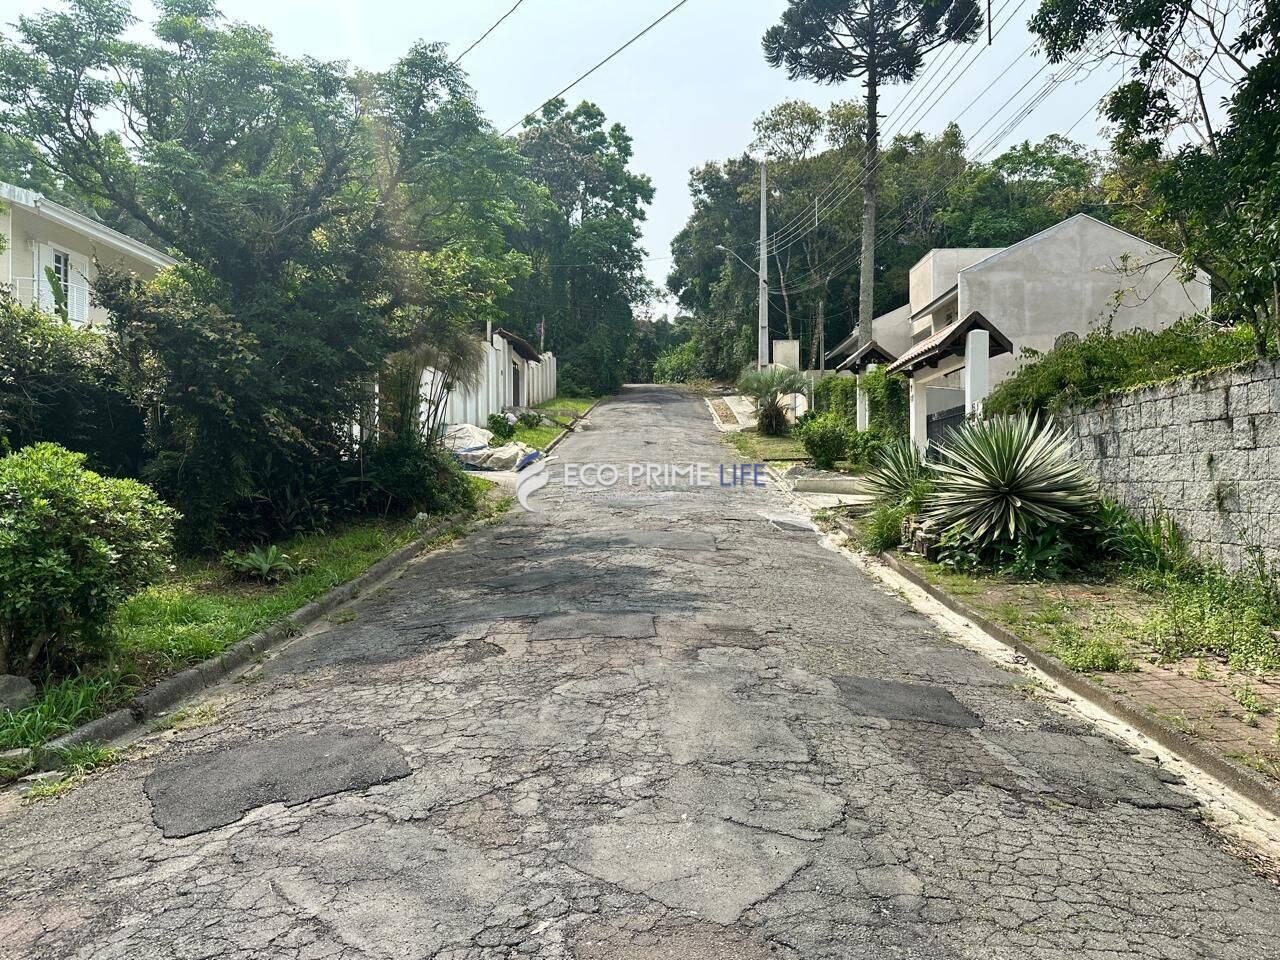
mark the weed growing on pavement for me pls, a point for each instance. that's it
(77, 763)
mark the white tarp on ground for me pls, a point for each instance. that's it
(466, 436)
(507, 457)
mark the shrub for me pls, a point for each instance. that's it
(1007, 479)
(1104, 362)
(681, 364)
(863, 446)
(408, 475)
(769, 387)
(501, 428)
(887, 402)
(528, 419)
(58, 385)
(825, 438)
(898, 475)
(73, 546)
(884, 527)
(271, 565)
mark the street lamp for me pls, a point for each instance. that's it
(723, 248)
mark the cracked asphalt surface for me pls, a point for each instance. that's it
(642, 723)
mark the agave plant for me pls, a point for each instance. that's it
(898, 475)
(1006, 479)
(768, 387)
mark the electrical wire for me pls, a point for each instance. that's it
(584, 76)
(484, 36)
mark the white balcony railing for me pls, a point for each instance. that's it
(28, 291)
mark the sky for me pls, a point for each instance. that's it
(687, 92)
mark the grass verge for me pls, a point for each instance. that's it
(757, 448)
(198, 612)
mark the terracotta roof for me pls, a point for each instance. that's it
(518, 343)
(950, 340)
(871, 353)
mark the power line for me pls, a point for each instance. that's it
(918, 89)
(584, 76)
(1037, 98)
(920, 110)
(484, 36)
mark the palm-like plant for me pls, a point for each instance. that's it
(898, 475)
(1007, 478)
(768, 387)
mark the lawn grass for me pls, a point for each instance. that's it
(196, 613)
(758, 448)
(576, 405)
(538, 437)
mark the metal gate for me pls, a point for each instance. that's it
(938, 425)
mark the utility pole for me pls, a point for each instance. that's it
(762, 357)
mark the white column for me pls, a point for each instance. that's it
(864, 402)
(917, 394)
(977, 371)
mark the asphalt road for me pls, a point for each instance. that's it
(643, 722)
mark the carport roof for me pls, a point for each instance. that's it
(949, 341)
(871, 353)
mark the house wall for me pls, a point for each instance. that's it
(1206, 449)
(935, 272)
(32, 240)
(1066, 279)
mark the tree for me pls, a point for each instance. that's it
(1209, 178)
(881, 42)
(584, 244)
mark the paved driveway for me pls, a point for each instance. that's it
(646, 722)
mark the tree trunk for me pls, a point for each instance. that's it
(867, 275)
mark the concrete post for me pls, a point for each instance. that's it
(977, 371)
(917, 396)
(864, 402)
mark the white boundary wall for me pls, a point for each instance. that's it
(500, 372)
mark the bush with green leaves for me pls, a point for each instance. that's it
(408, 475)
(679, 364)
(269, 564)
(825, 438)
(864, 446)
(1104, 362)
(58, 384)
(884, 527)
(501, 428)
(528, 419)
(837, 394)
(769, 388)
(1007, 479)
(73, 546)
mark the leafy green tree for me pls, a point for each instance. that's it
(584, 244)
(1210, 177)
(832, 41)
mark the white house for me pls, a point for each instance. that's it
(42, 234)
(974, 312)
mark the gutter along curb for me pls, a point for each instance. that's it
(185, 683)
(1242, 781)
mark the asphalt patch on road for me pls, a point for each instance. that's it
(217, 788)
(894, 700)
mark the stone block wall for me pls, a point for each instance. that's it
(1205, 448)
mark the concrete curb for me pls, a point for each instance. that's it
(172, 690)
(569, 429)
(1239, 779)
